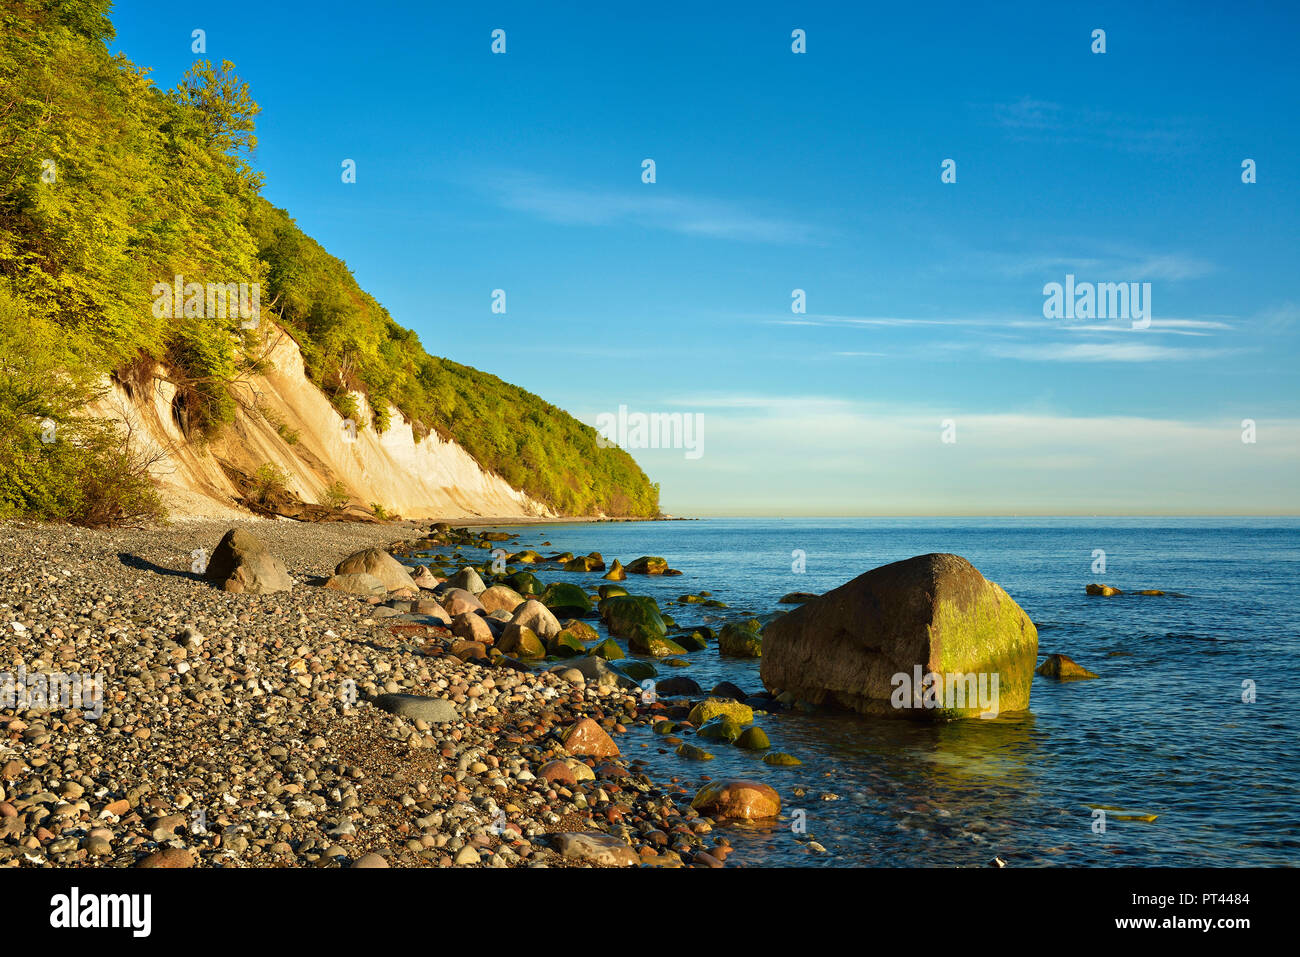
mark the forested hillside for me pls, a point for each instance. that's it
(110, 188)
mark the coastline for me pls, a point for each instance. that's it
(218, 709)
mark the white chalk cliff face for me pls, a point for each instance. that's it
(426, 479)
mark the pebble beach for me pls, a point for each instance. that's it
(241, 730)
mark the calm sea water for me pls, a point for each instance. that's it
(1163, 730)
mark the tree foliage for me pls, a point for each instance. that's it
(110, 186)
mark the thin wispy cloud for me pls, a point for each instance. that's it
(1036, 120)
(1106, 352)
(650, 207)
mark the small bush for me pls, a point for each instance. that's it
(336, 497)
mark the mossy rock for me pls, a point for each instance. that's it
(565, 598)
(779, 759)
(721, 728)
(581, 629)
(665, 727)
(1104, 591)
(610, 591)
(1063, 668)
(638, 670)
(693, 753)
(714, 603)
(647, 565)
(644, 642)
(710, 708)
(753, 739)
(689, 599)
(526, 583)
(522, 642)
(616, 573)
(526, 557)
(677, 663)
(625, 615)
(566, 645)
(691, 641)
(741, 639)
(609, 650)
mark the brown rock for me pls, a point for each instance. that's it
(588, 739)
(168, 857)
(746, 800)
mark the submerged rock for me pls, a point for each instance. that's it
(647, 565)
(1063, 668)
(797, 598)
(741, 639)
(1105, 590)
(738, 799)
(866, 645)
(779, 759)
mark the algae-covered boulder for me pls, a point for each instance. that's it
(741, 639)
(710, 708)
(694, 752)
(1103, 590)
(691, 641)
(566, 599)
(647, 565)
(753, 739)
(644, 642)
(928, 637)
(626, 615)
(565, 645)
(609, 650)
(525, 583)
(1063, 668)
(610, 591)
(585, 563)
(721, 728)
(779, 759)
(638, 670)
(616, 573)
(521, 641)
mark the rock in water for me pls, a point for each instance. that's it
(918, 638)
(616, 573)
(468, 579)
(377, 562)
(1104, 590)
(1063, 668)
(747, 800)
(241, 563)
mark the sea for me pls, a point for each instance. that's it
(1182, 752)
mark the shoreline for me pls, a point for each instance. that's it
(225, 740)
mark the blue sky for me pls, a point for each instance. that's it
(820, 171)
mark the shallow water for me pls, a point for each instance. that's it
(1162, 731)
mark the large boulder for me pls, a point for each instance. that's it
(928, 637)
(457, 601)
(533, 614)
(566, 599)
(500, 598)
(380, 564)
(521, 641)
(737, 799)
(241, 563)
(627, 616)
(647, 565)
(468, 579)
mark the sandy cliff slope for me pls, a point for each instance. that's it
(426, 479)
